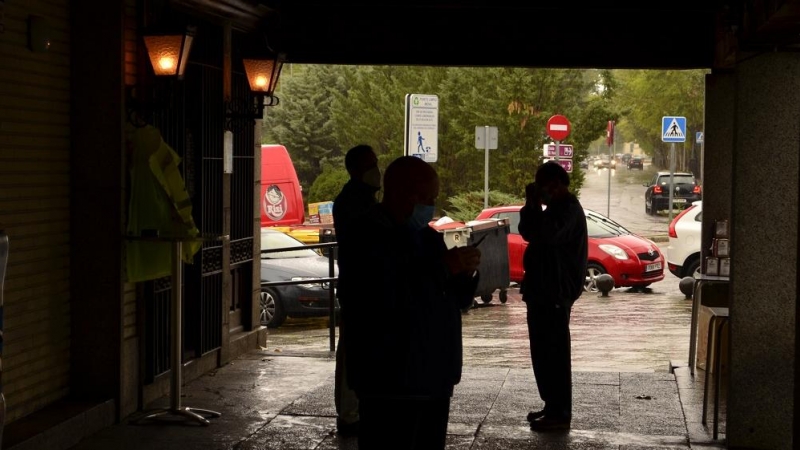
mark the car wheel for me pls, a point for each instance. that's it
(486, 298)
(272, 312)
(593, 270)
(503, 296)
(692, 268)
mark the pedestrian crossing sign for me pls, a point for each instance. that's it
(673, 129)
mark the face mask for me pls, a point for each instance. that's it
(421, 216)
(372, 177)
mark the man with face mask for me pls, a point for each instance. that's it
(404, 319)
(555, 268)
(357, 195)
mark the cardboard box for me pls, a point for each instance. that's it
(721, 229)
(721, 247)
(724, 267)
(712, 266)
(320, 212)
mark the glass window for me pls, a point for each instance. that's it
(597, 228)
(513, 220)
(678, 179)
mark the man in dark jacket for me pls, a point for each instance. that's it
(404, 319)
(555, 269)
(357, 195)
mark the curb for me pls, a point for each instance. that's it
(661, 238)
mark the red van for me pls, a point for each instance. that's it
(281, 197)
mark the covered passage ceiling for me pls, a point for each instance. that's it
(676, 34)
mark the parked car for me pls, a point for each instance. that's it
(685, 191)
(685, 240)
(296, 300)
(636, 162)
(632, 260)
(584, 164)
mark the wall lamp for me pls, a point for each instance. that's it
(262, 74)
(169, 52)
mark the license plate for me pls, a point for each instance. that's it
(679, 200)
(652, 267)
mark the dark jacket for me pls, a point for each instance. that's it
(404, 319)
(354, 199)
(556, 257)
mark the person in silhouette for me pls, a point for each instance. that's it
(357, 195)
(404, 320)
(555, 269)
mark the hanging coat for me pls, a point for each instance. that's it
(158, 201)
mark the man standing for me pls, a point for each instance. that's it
(357, 195)
(555, 269)
(404, 320)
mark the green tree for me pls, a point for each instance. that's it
(327, 185)
(467, 205)
(302, 121)
(643, 97)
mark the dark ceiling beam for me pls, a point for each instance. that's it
(244, 15)
(769, 24)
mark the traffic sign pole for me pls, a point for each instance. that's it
(671, 178)
(558, 149)
(486, 169)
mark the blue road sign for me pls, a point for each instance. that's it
(699, 137)
(673, 129)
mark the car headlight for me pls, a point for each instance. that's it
(614, 251)
(309, 285)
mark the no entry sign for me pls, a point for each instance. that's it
(558, 127)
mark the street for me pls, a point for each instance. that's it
(627, 331)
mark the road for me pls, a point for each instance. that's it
(627, 199)
(626, 331)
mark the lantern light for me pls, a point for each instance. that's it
(169, 53)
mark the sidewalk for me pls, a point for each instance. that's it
(271, 401)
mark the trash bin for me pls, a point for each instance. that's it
(491, 238)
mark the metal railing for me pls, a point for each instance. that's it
(330, 280)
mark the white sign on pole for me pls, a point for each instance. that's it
(422, 126)
(481, 140)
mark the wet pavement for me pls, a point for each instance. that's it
(625, 394)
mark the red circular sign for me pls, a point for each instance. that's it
(558, 127)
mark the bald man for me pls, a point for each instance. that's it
(404, 320)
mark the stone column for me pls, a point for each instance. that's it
(764, 250)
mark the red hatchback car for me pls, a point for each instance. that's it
(632, 260)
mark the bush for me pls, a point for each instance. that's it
(465, 207)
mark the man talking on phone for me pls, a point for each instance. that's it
(554, 224)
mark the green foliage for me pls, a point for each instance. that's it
(328, 184)
(466, 206)
(643, 97)
(326, 110)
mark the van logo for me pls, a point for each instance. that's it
(274, 203)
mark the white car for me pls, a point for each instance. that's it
(683, 253)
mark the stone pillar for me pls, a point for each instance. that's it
(764, 251)
(719, 137)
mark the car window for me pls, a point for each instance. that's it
(597, 228)
(699, 217)
(513, 220)
(276, 239)
(678, 179)
(607, 221)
